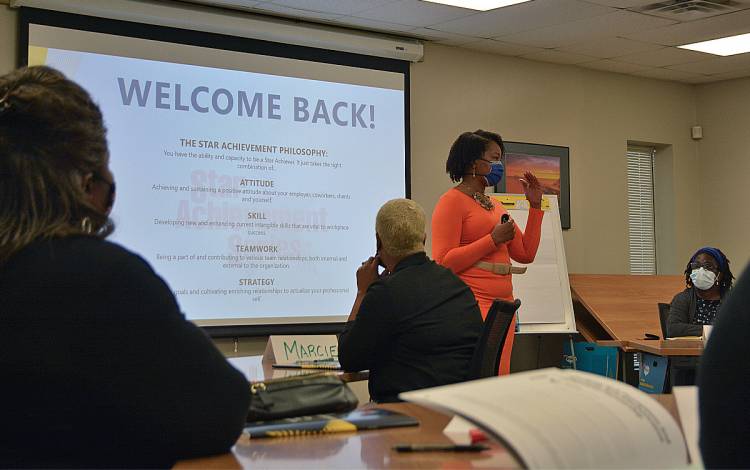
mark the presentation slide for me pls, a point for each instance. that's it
(252, 193)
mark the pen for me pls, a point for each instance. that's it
(439, 448)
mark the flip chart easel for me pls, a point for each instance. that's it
(544, 290)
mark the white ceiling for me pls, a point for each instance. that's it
(624, 36)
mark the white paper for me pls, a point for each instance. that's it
(544, 289)
(566, 419)
(687, 406)
(287, 350)
(458, 430)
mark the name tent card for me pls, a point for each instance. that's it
(288, 350)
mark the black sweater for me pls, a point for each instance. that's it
(416, 328)
(682, 312)
(100, 368)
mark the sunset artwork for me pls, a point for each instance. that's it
(546, 169)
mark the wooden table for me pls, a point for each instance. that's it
(670, 347)
(614, 307)
(256, 370)
(369, 449)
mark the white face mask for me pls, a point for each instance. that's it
(702, 278)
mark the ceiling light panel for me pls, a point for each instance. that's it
(481, 5)
(730, 45)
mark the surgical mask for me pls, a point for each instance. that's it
(495, 174)
(702, 278)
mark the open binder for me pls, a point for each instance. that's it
(553, 418)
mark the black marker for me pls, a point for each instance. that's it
(439, 448)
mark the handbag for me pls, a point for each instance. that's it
(299, 395)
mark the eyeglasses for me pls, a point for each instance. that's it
(708, 266)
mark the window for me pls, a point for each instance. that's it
(641, 236)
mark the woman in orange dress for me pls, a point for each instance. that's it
(468, 234)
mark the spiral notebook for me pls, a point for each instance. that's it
(356, 420)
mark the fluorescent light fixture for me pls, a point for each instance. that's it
(730, 45)
(481, 5)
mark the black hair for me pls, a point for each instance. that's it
(725, 283)
(467, 148)
(493, 136)
(51, 135)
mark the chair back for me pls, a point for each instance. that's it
(663, 315)
(486, 359)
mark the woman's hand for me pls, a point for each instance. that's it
(503, 232)
(367, 274)
(533, 190)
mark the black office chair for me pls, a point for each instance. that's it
(486, 359)
(663, 315)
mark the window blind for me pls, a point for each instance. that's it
(641, 234)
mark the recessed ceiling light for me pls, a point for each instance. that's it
(730, 45)
(481, 5)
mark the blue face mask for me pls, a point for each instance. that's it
(496, 174)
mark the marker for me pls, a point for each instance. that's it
(439, 448)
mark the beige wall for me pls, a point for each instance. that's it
(724, 113)
(593, 113)
(8, 38)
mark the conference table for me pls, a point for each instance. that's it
(369, 449)
(666, 348)
(618, 310)
(613, 308)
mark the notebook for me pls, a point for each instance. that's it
(356, 420)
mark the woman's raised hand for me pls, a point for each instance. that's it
(533, 190)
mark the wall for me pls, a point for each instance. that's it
(594, 113)
(722, 187)
(8, 38)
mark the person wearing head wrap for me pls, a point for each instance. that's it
(708, 279)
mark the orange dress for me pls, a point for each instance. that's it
(461, 236)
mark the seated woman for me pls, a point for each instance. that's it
(99, 368)
(708, 279)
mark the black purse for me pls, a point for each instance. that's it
(300, 395)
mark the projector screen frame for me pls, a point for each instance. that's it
(28, 16)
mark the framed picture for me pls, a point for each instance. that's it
(550, 165)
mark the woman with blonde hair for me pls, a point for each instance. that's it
(99, 368)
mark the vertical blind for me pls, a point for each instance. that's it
(641, 236)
